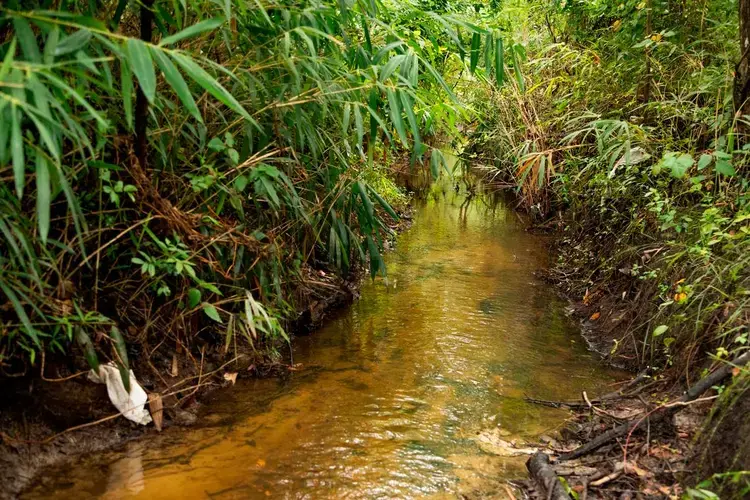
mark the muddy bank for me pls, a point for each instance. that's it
(666, 444)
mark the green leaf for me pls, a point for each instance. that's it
(519, 74)
(369, 209)
(50, 46)
(436, 161)
(359, 126)
(724, 167)
(140, 62)
(8, 59)
(27, 39)
(216, 144)
(375, 257)
(211, 312)
(412, 119)
(89, 352)
(175, 80)
(194, 297)
(391, 66)
(394, 106)
(240, 183)
(476, 40)
(213, 87)
(122, 362)
(381, 201)
(499, 62)
(190, 31)
(73, 43)
(677, 163)
(488, 54)
(127, 94)
(660, 330)
(704, 161)
(43, 196)
(346, 119)
(31, 332)
(17, 153)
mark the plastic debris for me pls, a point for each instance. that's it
(130, 405)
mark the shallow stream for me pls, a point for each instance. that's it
(416, 390)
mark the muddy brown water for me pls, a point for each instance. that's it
(416, 390)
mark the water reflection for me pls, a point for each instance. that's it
(125, 476)
(414, 391)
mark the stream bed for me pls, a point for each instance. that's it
(415, 390)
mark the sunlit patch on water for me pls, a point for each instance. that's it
(414, 391)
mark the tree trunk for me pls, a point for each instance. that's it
(742, 73)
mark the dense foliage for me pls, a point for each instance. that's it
(625, 134)
(171, 166)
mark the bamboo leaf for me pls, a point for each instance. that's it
(121, 349)
(140, 62)
(17, 153)
(398, 122)
(73, 43)
(88, 349)
(213, 87)
(381, 201)
(476, 40)
(211, 312)
(359, 126)
(519, 75)
(27, 39)
(43, 196)
(195, 29)
(391, 66)
(175, 80)
(8, 59)
(20, 312)
(488, 54)
(412, 119)
(499, 62)
(50, 46)
(126, 82)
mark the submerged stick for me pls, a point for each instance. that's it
(575, 405)
(660, 413)
(541, 471)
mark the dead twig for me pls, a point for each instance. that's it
(660, 412)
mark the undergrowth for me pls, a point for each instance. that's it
(624, 135)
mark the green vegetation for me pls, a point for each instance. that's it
(177, 168)
(625, 132)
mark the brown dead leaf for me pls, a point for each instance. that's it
(231, 376)
(156, 408)
(595, 316)
(632, 468)
(260, 463)
(736, 371)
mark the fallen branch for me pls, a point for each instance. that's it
(575, 405)
(661, 412)
(541, 471)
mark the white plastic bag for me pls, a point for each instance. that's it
(130, 405)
